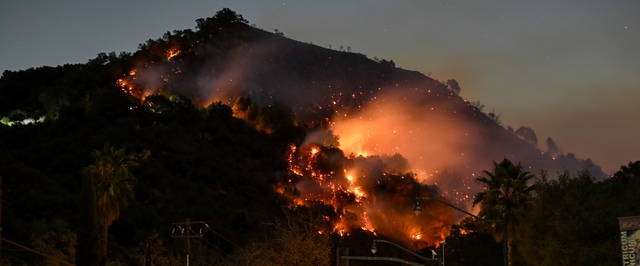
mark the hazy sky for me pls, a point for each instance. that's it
(568, 69)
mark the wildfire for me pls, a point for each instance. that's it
(340, 228)
(362, 190)
(126, 86)
(130, 85)
(357, 191)
(172, 53)
(367, 224)
(361, 195)
(152, 76)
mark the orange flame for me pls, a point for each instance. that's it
(172, 53)
(350, 193)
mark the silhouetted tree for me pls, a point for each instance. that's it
(113, 183)
(494, 117)
(228, 16)
(453, 86)
(527, 134)
(629, 171)
(88, 250)
(222, 18)
(469, 244)
(506, 192)
(477, 105)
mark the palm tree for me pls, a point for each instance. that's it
(113, 184)
(506, 193)
(88, 248)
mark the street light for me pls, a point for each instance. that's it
(374, 249)
(442, 244)
(505, 249)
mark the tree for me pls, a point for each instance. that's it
(527, 134)
(573, 221)
(222, 18)
(113, 185)
(506, 193)
(627, 172)
(495, 117)
(453, 86)
(471, 244)
(88, 251)
(294, 241)
(227, 16)
(477, 105)
(156, 252)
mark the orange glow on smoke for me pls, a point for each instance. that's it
(353, 198)
(424, 133)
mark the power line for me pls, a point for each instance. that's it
(73, 228)
(226, 239)
(37, 252)
(223, 255)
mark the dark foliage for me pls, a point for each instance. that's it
(574, 220)
(471, 243)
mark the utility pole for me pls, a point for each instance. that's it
(147, 254)
(0, 220)
(184, 231)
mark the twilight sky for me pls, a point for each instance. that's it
(568, 69)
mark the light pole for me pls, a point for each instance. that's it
(374, 249)
(505, 249)
(442, 256)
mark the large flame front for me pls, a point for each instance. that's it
(363, 195)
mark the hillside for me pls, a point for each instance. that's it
(373, 107)
(234, 126)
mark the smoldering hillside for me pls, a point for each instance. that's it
(372, 105)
